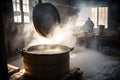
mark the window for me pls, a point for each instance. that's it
(21, 11)
(17, 11)
(26, 10)
(94, 16)
(100, 16)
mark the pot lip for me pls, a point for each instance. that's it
(25, 50)
(59, 53)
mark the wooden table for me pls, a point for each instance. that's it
(108, 41)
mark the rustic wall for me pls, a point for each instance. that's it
(14, 32)
(114, 15)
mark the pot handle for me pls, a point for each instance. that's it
(71, 49)
(21, 51)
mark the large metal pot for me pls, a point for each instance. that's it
(46, 62)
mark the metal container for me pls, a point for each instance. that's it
(45, 17)
(101, 29)
(46, 62)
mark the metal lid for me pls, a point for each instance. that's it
(45, 15)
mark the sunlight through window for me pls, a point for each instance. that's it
(21, 11)
(99, 15)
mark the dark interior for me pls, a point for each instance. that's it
(97, 56)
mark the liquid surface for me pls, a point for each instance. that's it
(47, 51)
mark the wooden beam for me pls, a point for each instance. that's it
(3, 60)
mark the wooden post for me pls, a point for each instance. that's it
(3, 60)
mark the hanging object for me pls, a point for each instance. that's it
(45, 16)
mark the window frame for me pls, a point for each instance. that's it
(102, 16)
(21, 11)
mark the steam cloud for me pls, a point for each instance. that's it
(61, 34)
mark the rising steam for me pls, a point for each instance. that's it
(61, 34)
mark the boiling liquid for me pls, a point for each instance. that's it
(47, 51)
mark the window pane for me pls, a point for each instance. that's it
(17, 11)
(94, 16)
(17, 17)
(18, 7)
(16, 1)
(25, 8)
(25, 1)
(14, 7)
(26, 18)
(103, 16)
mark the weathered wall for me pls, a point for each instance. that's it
(114, 15)
(14, 32)
(10, 29)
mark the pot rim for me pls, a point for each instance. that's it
(67, 50)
